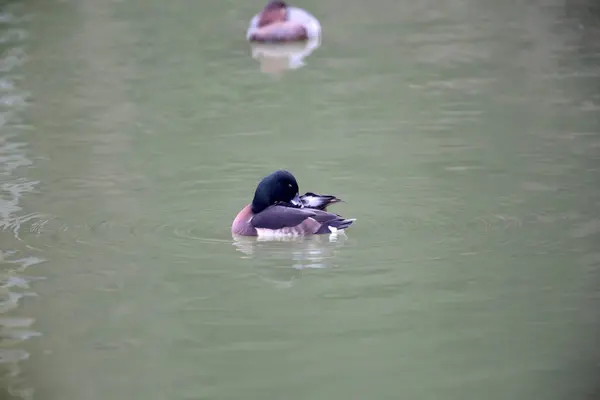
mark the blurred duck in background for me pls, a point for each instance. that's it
(279, 23)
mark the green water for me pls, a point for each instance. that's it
(462, 135)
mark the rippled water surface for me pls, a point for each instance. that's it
(462, 135)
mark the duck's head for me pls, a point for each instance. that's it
(274, 11)
(278, 187)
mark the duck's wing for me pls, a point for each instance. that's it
(323, 216)
(278, 217)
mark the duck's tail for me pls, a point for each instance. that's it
(335, 225)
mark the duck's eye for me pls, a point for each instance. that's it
(289, 184)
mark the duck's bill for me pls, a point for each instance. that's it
(296, 201)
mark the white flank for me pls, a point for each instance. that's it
(279, 233)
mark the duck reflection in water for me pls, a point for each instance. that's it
(275, 59)
(275, 256)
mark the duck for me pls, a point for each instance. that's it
(278, 210)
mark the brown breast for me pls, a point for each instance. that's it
(241, 224)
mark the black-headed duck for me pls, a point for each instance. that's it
(278, 210)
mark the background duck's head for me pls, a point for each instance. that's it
(278, 187)
(274, 11)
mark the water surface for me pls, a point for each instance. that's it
(463, 137)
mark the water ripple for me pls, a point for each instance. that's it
(458, 229)
(14, 254)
